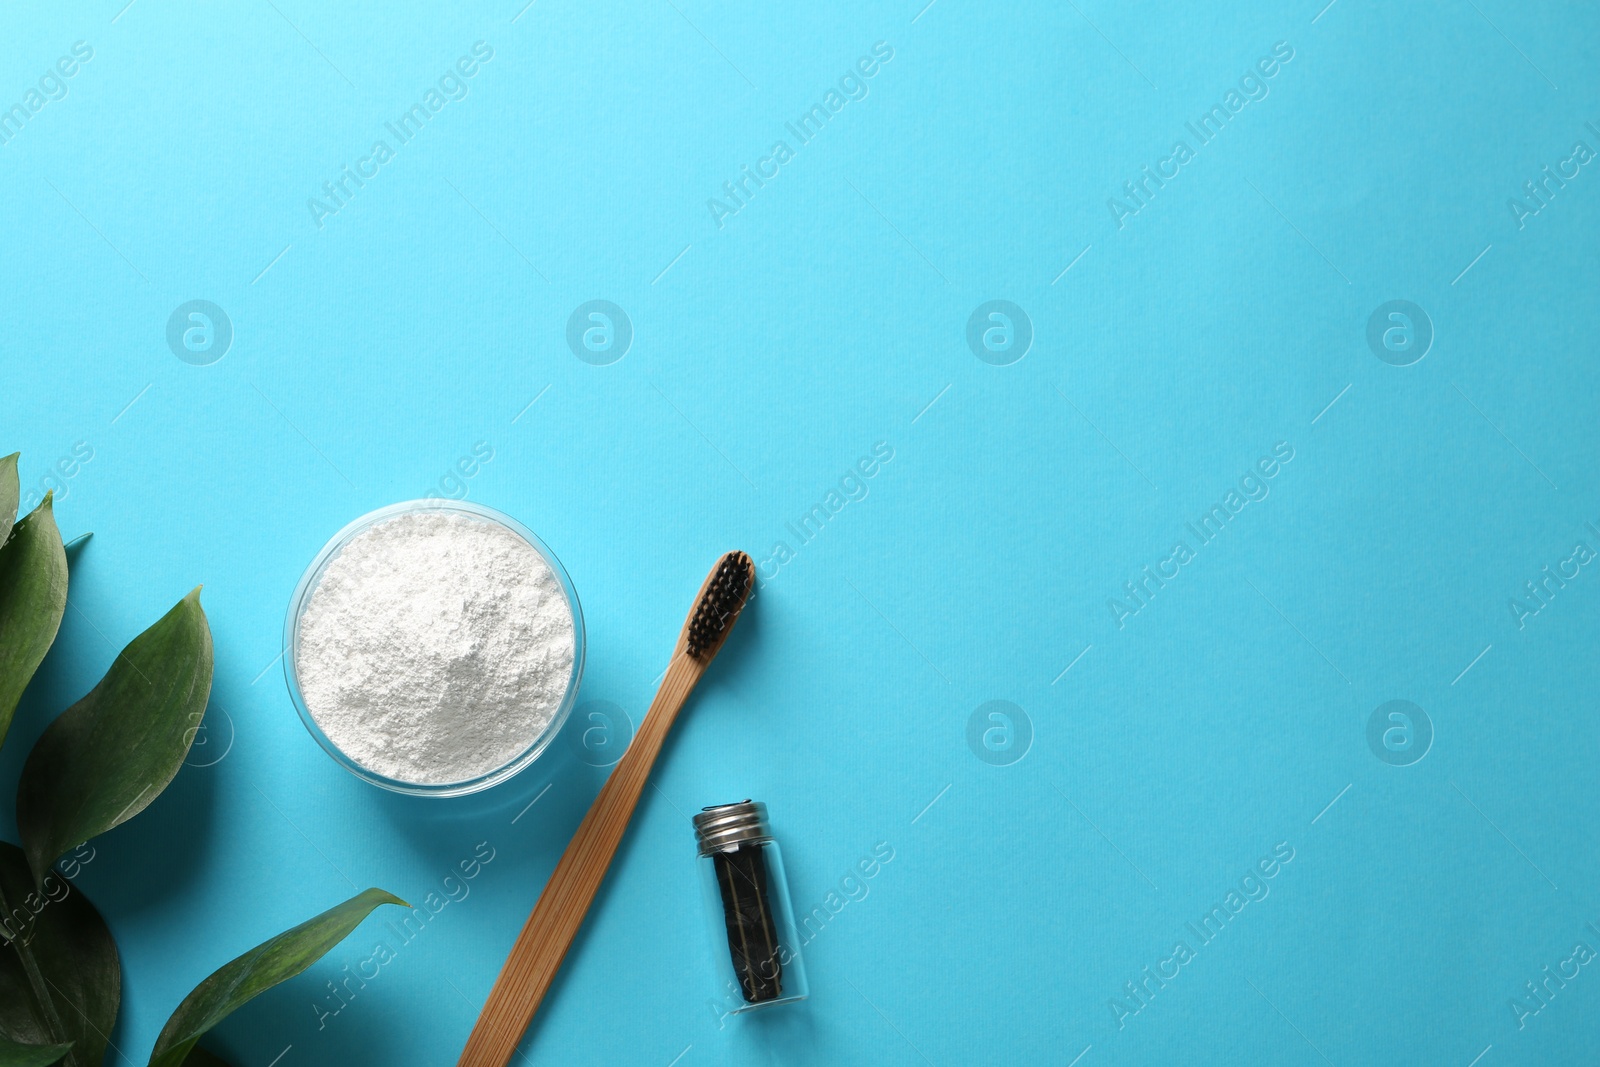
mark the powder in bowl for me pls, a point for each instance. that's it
(435, 648)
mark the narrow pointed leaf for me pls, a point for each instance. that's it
(33, 595)
(9, 492)
(60, 981)
(257, 971)
(109, 755)
(13, 1054)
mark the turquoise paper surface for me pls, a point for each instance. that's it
(1166, 435)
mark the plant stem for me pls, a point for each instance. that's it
(41, 990)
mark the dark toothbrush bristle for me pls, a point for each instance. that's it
(721, 602)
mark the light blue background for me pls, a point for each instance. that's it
(769, 355)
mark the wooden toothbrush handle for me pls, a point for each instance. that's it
(549, 931)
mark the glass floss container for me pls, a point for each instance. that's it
(742, 874)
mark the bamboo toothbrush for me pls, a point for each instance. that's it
(549, 931)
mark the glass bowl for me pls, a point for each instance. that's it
(308, 585)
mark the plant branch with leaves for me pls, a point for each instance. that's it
(100, 763)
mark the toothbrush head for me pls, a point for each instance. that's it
(724, 595)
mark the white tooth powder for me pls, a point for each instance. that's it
(435, 648)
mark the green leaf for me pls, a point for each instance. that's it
(13, 1054)
(109, 755)
(199, 1057)
(60, 982)
(33, 595)
(257, 971)
(9, 492)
